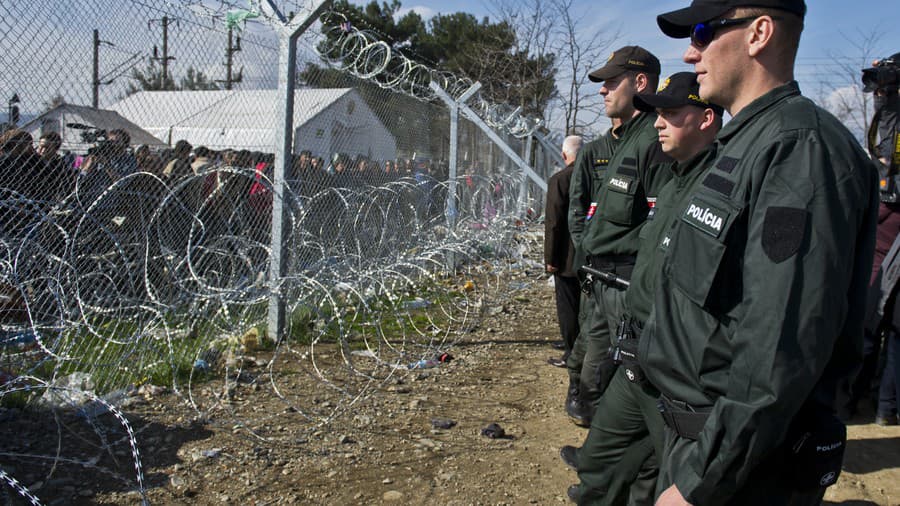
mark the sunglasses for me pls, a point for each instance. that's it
(704, 33)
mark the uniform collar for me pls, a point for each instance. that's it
(635, 123)
(682, 168)
(756, 108)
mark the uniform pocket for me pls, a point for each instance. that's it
(618, 206)
(698, 246)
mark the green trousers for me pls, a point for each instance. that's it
(617, 463)
(589, 364)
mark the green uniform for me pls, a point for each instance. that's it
(587, 177)
(627, 427)
(629, 188)
(760, 303)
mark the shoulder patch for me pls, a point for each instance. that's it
(783, 232)
(719, 184)
(727, 164)
(627, 171)
(705, 217)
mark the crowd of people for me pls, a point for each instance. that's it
(715, 354)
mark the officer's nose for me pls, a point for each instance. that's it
(691, 55)
(659, 124)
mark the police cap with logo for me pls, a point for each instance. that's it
(678, 24)
(627, 58)
(678, 90)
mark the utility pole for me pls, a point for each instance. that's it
(95, 81)
(233, 47)
(165, 52)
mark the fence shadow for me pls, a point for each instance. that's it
(67, 458)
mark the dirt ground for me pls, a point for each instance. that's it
(385, 450)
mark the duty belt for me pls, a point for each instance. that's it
(685, 420)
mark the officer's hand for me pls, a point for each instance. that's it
(551, 269)
(671, 497)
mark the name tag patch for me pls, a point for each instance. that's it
(620, 183)
(705, 217)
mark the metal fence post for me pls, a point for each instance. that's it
(474, 118)
(523, 188)
(288, 32)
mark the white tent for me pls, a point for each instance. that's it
(71, 121)
(326, 121)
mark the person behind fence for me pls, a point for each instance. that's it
(23, 174)
(179, 164)
(106, 163)
(559, 252)
(203, 160)
(610, 238)
(627, 429)
(62, 174)
(758, 314)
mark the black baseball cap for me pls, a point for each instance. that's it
(677, 24)
(678, 90)
(626, 58)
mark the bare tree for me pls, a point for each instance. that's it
(843, 96)
(578, 50)
(532, 21)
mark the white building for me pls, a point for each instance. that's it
(76, 124)
(326, 121)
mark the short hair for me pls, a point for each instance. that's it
(123, 136)
(52, 138)
(201, 151)
(15, 141)
(788, 36)
(572, 145)
(652, 79)
(182, 146)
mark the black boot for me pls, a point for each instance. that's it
(577, 410)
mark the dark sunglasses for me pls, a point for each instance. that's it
(703, 33)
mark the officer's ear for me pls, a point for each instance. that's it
(711, 120)
(641, 82)
(760, 34)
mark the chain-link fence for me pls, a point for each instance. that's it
(139, 176)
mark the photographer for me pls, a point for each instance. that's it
(107, 162)
(883, 317)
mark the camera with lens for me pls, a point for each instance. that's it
(100, 140)
(884, 75)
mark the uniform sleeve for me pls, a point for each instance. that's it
(579, 194)
(808, 243)
(553, 224)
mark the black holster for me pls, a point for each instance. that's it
(815, 446)
(685, 420)
(625, 351)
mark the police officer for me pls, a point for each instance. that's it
(758, 312)
(623, 201)
(627, 421)
(587, 177)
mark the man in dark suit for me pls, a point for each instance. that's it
(559, 252)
